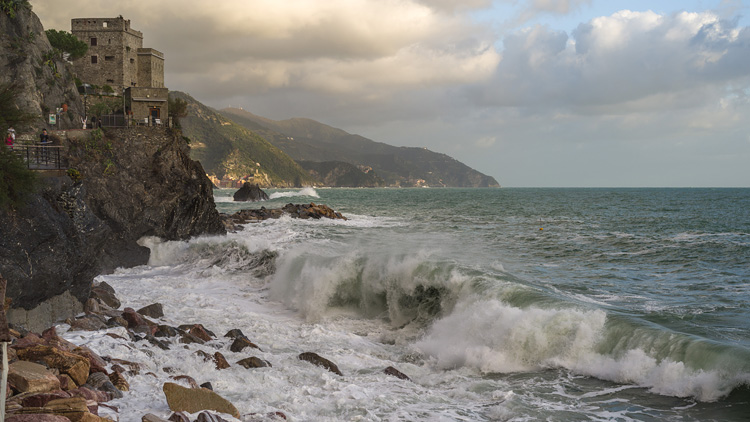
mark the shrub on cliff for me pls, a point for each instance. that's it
(16, 181)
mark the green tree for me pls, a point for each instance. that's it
(177, 109)
(10, 7)
(67, 43)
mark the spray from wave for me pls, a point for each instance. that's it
(304, 192)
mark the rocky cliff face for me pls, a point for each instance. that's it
(44, 80)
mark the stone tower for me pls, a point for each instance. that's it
(116, 58)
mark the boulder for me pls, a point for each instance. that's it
(96, 363)
(240, 343)
(155, 310)
(29, 377)
(90, 322)
(234, 333)
(188, 379)
(199, 331)
(209, 417)
(40, 400)
(98, 381)
(77, 367)
(207, 386)
(166, 331)
(316, 359)
(179, 417)
(254, 362)
(395, 373)
(36, 418)
(150, 417)
(221, 361)
(250, 192)
(119, 381)
(105, 296)
(191, 400)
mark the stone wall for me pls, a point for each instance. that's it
(143, 100)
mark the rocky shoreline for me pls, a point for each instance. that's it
(52, 379)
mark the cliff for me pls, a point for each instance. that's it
(128, 183)
(28, 61)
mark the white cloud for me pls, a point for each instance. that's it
(486, 142)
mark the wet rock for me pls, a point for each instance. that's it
(99, 381)
(137, 322)
(150, 417)
(105, 296)
(91, 395)
(316, 359)
(29, 377)
(199, 331)
(117, 321)
(68, 363)
(88, 323)
(187, 338)
(66, 382)
(191, 400)
(119, 381)
(250, 192)
(396, 373)
(188, 379)
(207, 385)
(166, 331)
(155, 310)
(158, 343)
(179, 417)
(209, 417)
(96, 363)
(241, 343)
(221, 361)
(234, 333)
(254, 362)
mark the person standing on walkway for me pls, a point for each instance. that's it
(11, 138)
(44, 141)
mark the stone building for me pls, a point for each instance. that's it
(116, 58)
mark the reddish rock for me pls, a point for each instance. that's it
(199, 331)
(40, 400)
(28, 340)
(29, 377)
(209, 417)
(137, 322)
(67, 363)
(316, 359)
(179, 417)
(105, 296)
(66, 382)
(96, 363)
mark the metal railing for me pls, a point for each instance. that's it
(41, 157)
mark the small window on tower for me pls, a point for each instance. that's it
(93, 41)
(132, 60)
(110, 81)
(109, 58)
(94, 59)
(104, 24)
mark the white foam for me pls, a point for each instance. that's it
(309, 191)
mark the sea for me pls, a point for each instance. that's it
(509, 304)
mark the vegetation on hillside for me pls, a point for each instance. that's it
(10, 7)
(306, 139)
(226, 149)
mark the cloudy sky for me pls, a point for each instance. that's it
(532, 92)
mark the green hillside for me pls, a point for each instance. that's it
(230, 151)
(308, 140)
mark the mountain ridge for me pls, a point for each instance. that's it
(305, 139)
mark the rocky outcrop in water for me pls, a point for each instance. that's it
(304, 211)
(250, 193)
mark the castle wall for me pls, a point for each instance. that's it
(150, 68)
